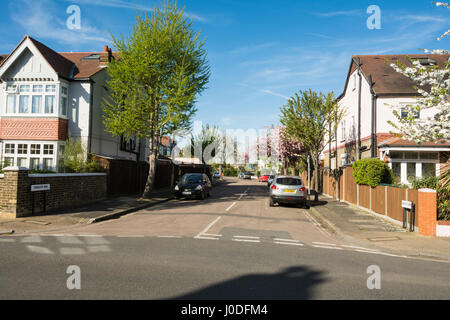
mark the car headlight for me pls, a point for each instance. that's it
(199, 187)
(176, 188)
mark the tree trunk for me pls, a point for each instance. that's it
(316, 178)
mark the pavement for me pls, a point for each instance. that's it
(361, 227)
(111, 208)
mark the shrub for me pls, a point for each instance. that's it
(443, 194)
(74, 158)
(372, 172)
(429, 182)
(230, 172)
(40, 171)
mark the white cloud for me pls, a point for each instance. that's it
(340, 13)
(36, 19)
(132, 6)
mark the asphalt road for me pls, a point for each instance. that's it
(231, 246)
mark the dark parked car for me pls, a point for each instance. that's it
(193, 185)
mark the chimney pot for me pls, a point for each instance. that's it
(105, 49)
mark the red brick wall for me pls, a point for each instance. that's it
(427, 212)
(33, 128)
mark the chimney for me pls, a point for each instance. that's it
(108, 50)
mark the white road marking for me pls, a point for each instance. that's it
(243, 194)
(89, 235)
(228, 209)
(131, 236)
(361, 248)
(42, 250)
(169, 237)
(382, 253)
(204, 231)
(316, 224)
(69, 251)
(206, 238)
(325, 243)
(31, 239)
(246, 240)
(326, 247)
(290, 243)
(287, 240)
(7, 240)
(212, 235)
(246, 237)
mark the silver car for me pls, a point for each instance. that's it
(287, 189)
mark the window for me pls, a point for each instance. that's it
(9, 148)
(11, 88)
(24, 88)
(404, 113)
(50, 88)
(411, 155)
(34, 163)
(48, 163)
(35, 149)
(63, 101)
(396, 168)
(343, 130)
(36, 105)
(11, 104)
(8, 162)
(396, 155)
(38, 88)
(429, 155)
(428, 169)
(23, 104)
(48, 149)
(49, 104)
(410, 171)
(22, 162)
(22, 148)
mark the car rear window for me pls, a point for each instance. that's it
(289, 181)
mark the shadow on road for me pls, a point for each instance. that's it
(294, 283)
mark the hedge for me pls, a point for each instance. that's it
(372, 172)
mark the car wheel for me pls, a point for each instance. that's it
(271, 203)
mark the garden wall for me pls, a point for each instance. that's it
(66, 191)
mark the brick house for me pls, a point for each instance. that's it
(47, 97)
(372, 89)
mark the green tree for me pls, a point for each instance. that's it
(75, 158)
(208, 139)
(311, 118)
(160, 70)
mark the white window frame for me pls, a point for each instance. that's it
(44, 93)
(41, 156)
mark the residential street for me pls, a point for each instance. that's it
(230, 246)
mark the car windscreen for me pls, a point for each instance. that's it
(289, 181)
(191, 179)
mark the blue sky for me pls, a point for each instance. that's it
(260, 52)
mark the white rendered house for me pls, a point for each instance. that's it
(47, 97)
(373, 89)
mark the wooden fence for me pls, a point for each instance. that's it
(385, 200)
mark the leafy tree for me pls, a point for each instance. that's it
(291, 150)
(74, 158)
(437, 79)
(311, 118)
(207, 142)
(153, 85)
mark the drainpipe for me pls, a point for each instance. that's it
(373, 148)
(91, 101)
(358, 151)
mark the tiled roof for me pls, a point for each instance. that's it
(69, 65)
(386, 80)
(399, 142)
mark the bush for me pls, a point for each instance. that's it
(40, 171)
(230, 172)
(74, 158)
(372, 172)
(429, 182)
(443, 193)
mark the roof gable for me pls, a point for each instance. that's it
(387, 81)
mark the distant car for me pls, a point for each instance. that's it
(263, 178)
(286, 189)
(241, 175)
(248, 175)
(193, 185)
(216, 175)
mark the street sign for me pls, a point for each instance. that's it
(406, 204)
(40, 187)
